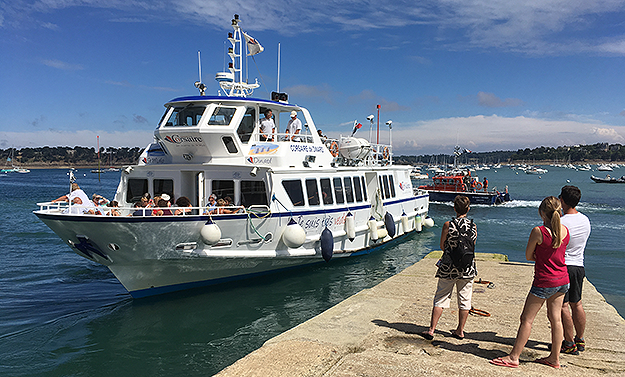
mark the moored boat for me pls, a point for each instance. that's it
(446, 186)
(295, 200)
(608, 179)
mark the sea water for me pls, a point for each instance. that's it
(62, 315)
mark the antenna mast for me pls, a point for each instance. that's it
(231, 81)
(278, 88)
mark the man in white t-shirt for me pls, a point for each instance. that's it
(574, 321)
(76, 192)
(293, 127)
(267, 127)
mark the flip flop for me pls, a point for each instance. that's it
(545, 362)
(503, 363)
(453, 333)
(427, 335)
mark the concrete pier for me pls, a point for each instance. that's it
(375, 332)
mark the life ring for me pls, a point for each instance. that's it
(334, 149)
(385, 153)
(479, 185)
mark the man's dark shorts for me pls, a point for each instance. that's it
(576, 277)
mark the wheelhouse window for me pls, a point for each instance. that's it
(326, 191)
(221, 116)
(185, 116)
(338, 191)
(357, 190)
(230, 145)
(253, 193)
(392, 184)
(293, 188)
(312, 191)
(135, 189)
(349, 190)
(246, 127)
(223, 188)
(163, 186)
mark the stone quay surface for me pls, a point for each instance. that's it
(375, 332)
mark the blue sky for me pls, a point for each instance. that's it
(488, 75)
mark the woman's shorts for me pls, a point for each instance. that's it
(545, 293)
(464, 290)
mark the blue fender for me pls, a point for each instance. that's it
(389, 222)
(327, 244)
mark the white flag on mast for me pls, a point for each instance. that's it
(253, 47)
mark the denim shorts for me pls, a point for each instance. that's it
(545, 293)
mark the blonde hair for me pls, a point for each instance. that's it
(550, 207)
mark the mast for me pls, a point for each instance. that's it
(231, 82)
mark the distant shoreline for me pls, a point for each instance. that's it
(90, 166)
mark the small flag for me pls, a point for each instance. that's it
(356, 127)
(253, 47)
(467, 151)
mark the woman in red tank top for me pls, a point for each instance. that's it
(546, 246)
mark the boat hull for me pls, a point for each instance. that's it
(156, 255)
(607, 180)
(487, 198)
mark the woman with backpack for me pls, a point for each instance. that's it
(546, 247)
(455, 268)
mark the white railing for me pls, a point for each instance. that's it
(65, 208)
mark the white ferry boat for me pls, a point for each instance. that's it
(296, 200)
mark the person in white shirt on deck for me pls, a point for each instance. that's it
(574, 321)
(76, 192)
(294, 127)
(267, 127)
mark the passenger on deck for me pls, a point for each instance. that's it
(162, 209)
(166, 198)
(76, 191)
(140, 209)
(212, 204)
(114, 206)
(485, 184)
(183, 203)
(147, 199)
(99, 200)
(267, 127)
(294, 127)
(77, 208)
(321, 135)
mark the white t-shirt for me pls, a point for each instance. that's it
(294, 125)
(80, 194)
(267, 126)
(579, 231)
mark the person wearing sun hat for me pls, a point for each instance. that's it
(294, 127)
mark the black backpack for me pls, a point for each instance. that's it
(462, 255)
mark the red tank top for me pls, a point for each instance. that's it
(550, 270)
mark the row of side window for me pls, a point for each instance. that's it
(328, 191)
(253, 192)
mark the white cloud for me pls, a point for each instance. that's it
(488, 133)
(531, 26)
(58, 64)
(84, 138)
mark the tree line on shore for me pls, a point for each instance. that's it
(573, 154)
(77, 156)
